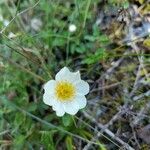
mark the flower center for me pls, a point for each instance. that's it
(65, 91)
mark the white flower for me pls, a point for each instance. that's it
(72, 28)
(66, 93)
(6, 23)
(11, 35)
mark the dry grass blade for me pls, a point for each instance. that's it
(23, 69)
(18, 14)
(47, 123)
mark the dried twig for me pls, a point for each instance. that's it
(135, 86)
(106, 87)
(108, 132)
(137, 50)
(140, 115)
(135, 98)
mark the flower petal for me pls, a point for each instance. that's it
(49, 99)
(60, 112)
(81, 101)
(56, 105)
(74, 77)
(49, 86)
(71, 107)
(65, 74)
(58, 108)
(82, 87)
(62, 73)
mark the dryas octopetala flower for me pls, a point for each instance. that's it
(72, 28)
(66, 93)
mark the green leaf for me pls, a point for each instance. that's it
(86, 134)
(94, 58)
(90, 38)
(101, 146)
(126, 5)
(96, 31)
(81, 49)
(69, 143)
(103, 39)
(47, 139)
(66, 120)
(19, 118)
(32, 107)
(59, 42)
(19, 142)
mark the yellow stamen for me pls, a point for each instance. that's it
(65, 91)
